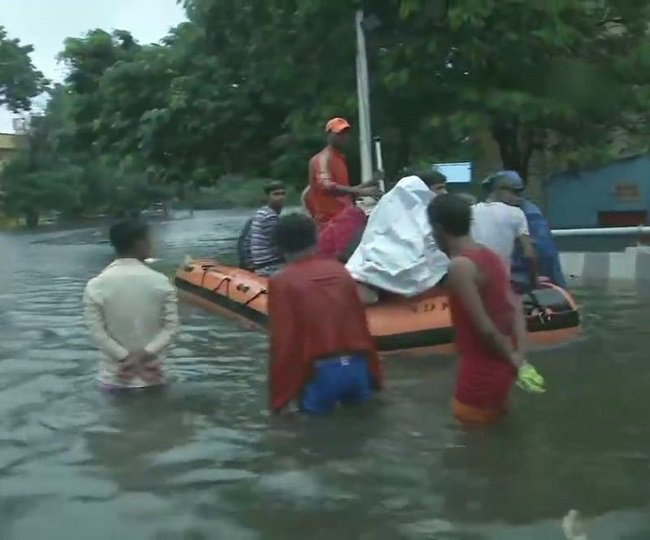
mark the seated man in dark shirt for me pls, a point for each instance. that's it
(259, 252)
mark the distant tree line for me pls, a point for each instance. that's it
(243, 88)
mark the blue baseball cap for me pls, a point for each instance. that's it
(506, 179)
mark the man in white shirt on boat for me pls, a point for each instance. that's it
(499, 224)
(131, 312)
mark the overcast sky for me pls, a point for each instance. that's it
(46, 23)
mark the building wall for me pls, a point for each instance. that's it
(545, 162)
(575, 199)
(9, 146)
(9, 141)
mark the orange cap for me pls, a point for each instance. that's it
(337, 125)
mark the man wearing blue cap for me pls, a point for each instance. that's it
(547, 258)
(500, 225)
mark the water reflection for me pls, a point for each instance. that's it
(204, 460)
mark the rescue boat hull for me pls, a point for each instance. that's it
(397, 324)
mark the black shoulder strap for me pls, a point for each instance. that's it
(242, 254)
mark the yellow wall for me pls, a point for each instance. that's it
(9, 140)
(9, 146)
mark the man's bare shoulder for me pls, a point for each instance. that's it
(317, 156)
(462, 270)
(460, 263)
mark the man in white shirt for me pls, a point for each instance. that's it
(131, 312)
(498, 224)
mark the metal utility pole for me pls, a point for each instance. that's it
(363, 93)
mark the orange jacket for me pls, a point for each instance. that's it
(327, 170)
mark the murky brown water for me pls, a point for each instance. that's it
(203, 460)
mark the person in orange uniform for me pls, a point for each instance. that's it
(329, 180)
(322, 353)
(483, 314)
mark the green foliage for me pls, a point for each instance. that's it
(32, 191)
(242, 90)
(19, 80)
(235, 192)
(525, 71)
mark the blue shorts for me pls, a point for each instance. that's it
(343, 379)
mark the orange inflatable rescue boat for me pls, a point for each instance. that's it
(397, 323)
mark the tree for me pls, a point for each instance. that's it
(243, 89)
(88, 59)
(51, 173)
(526, 71)
(19, 80)
(290, 65)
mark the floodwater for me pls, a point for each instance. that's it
(204, 460)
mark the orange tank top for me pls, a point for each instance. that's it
(327, 170)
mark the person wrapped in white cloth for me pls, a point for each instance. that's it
(397, 252)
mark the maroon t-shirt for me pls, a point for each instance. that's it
(314, 313)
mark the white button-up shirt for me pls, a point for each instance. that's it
(497, 226)
(130, 307)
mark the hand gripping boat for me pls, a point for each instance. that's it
(398, 324)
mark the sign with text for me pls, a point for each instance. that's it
(627, 191)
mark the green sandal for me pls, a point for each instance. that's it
(530, 380)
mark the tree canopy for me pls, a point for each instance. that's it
(244, 88)
(20, 81)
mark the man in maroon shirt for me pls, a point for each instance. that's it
(322, 353)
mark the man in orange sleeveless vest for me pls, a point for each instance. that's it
(329, 180)
(483, 312)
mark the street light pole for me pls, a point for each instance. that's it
(363, 96)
